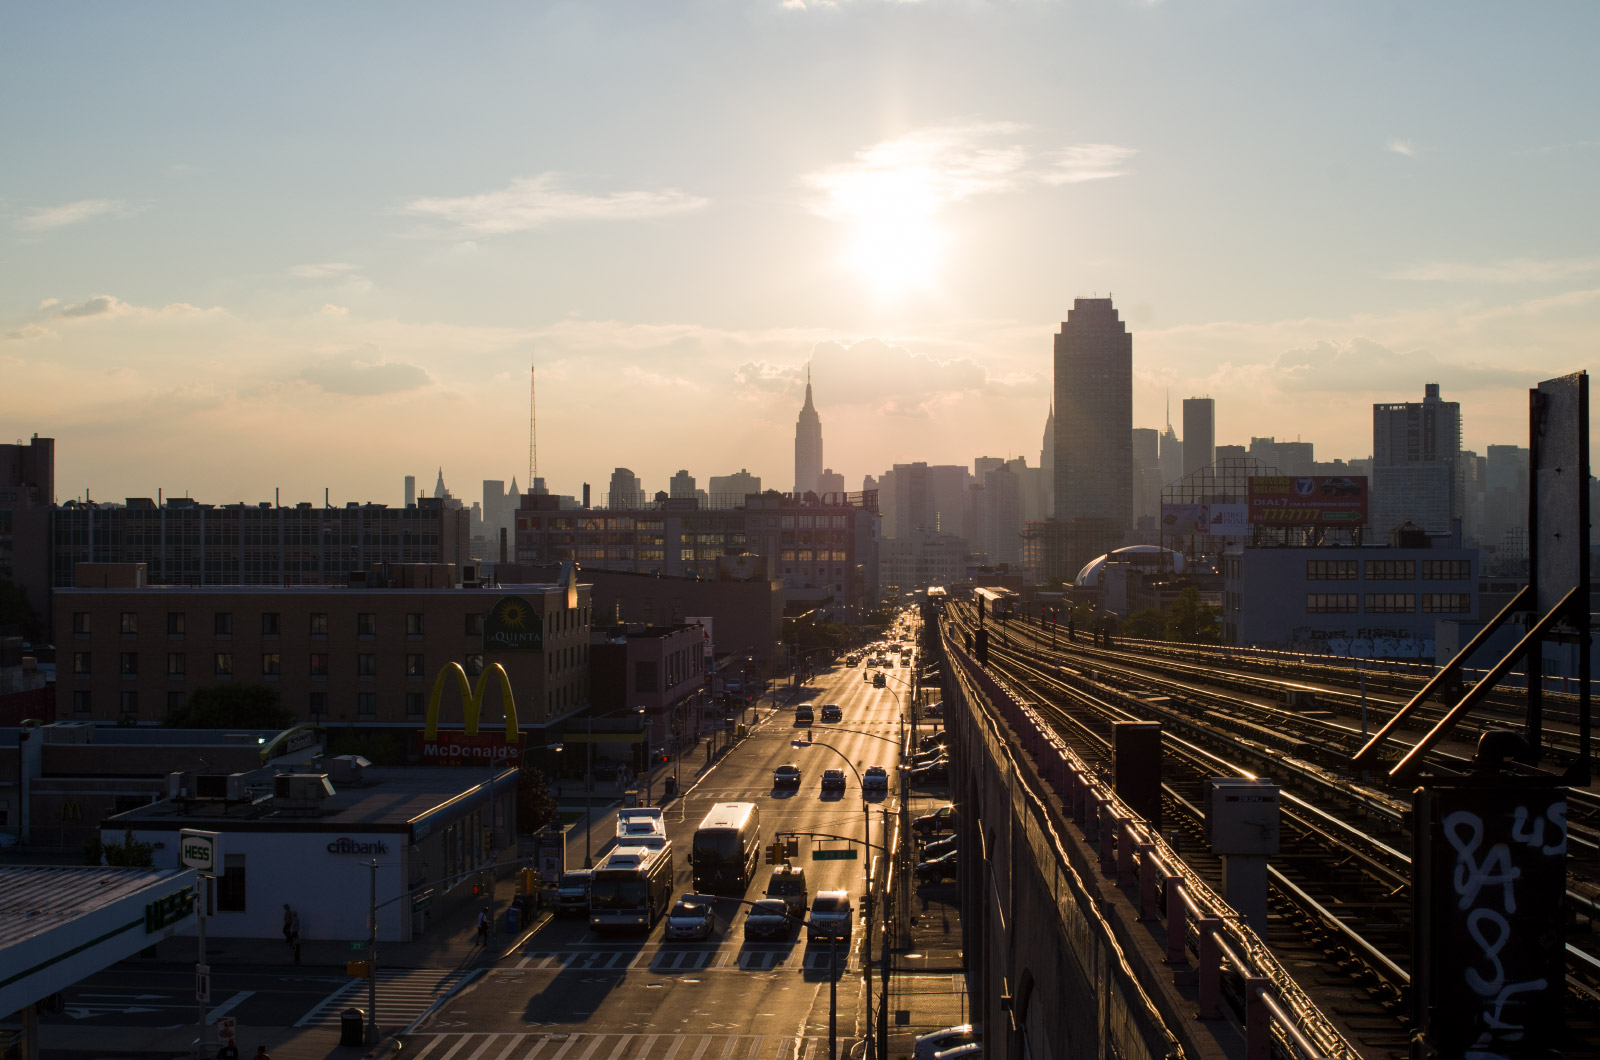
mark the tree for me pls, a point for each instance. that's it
(17, 616)
(231, 706)
(1192, 621)
(535, 805)
(1149, 624)
(130, 853)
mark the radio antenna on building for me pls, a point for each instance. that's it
(533, 434)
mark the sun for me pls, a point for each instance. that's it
(896, 243)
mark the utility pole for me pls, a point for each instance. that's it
(202, 970)
(372, 955)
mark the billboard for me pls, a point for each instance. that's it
(471, 747)
(1221, 519)
(1308, 500)
(512, 624)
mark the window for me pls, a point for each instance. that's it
(269, 664)
(269, 623)
(1446, 569)
(1391, 570)
(317, 704)
(367, 624)
(414, 667)
(175, 623)
(367, 704)
(414, 624)
(1446, 603)
(474, 665)
(1330, 570)
(319, 664)
(175, 701)
(475, 625)
(175, 664)
(129, 666)
(230, 885)
(644, 677)
(224, 664)
(81, 702)
(413, 704)
(130, 702)
(1391, 603)
(130, 623)
(80, 622)
(223, 623)
(366, 665)
(1330, 603)
(81, 661)
(319, 623)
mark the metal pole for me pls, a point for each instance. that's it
(883, 957)
(866, 820)
(833, 995)
(588, 797)
(200, 968)
(372, 956)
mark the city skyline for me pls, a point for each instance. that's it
(222, 280)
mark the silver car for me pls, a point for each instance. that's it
(832, 916)
(930, 1045)
(691, 918)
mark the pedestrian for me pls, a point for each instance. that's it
(483, 927)
(294, 934)
(229, 1051)
(288, 924)
(261, 1053)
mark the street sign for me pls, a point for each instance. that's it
(198, 850)
(358, 945)
(834, 855)
(202, 983)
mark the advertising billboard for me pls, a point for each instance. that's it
(1221, 519)
(512, 624)
(1308, 500)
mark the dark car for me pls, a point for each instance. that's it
(936, 869)
(833, 780)
(879, 681)
(788, 885)
(936, 823)
(930, 743)
(803, 715)
(1341, 487)
(831, 712)
(768, 919)
(786, 776)
(940, 847)
(936, 773)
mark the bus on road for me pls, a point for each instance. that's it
(631, 888)
(727, 848)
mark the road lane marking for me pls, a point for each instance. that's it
(228, 1005)
(649, 1043)
(593, 1046)
(480, 1050)
(704, 1042)
(568, 1044)
(677, 1043)
(456, 1050)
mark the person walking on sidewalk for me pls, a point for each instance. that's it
(261, 1053)
(483, 927)
(294, 934)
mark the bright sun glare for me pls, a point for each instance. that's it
(896, 243)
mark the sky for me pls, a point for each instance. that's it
(308, 247)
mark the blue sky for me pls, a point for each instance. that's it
(281, 246)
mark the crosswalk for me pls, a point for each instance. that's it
(745, 959)
(404, 994)
(541, 1045)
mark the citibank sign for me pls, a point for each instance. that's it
(350, 846)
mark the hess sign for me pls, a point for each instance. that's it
(198, 850)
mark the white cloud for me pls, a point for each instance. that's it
(1402, 147)
(533, 202)
(47, 217)
(363, 378)
(1087, 162)
(28, 331)
(108, 305)
(322, 271)
(329, 309)
(1516, 270)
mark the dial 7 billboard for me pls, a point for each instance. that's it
(1308, 500)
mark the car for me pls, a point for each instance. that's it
(831, 712)
(934, 773)
(929, 743)
(940, 847)
(768, 918)
(879, 681)
(786, 776)
(933, 710)
(928, 1045)
(832, 916)
(936, 869)
(833, 780)
(928, 758)
(1339, 486)
(970, 1051)
(572, 893)
(788, 885)
(692, 918)
(938, 822)
(875, 778)
(803, 715)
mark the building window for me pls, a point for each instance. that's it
(175, 664)
(475, 625)
(1391, 603)
(130, 623)
(414, 667)
(1391, 570)
(366, 665)
(414, 624)
(367, 704)
(82, 702)
(1330, 603)
(130, 702)
(1446, 569)
(80, 622)
(644, 677)
(81, 661)
(224, 664)
(269, 623)
(223, 624)
(474, 665)
(319, 664)
(230, 885)
(175, 701)
(319, 623)
(413, 704)
(269, 664)
(129, 665)
(175, 623)
(367, 624)
(317, 705)
(1446, 603)
(1330, 570)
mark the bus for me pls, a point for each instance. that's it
(641, 827)
(727, 847)
(631, 887)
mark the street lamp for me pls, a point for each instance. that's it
(588, 786)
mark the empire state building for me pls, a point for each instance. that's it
(807, 445)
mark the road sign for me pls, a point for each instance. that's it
(834, 855)
(202, 983)
(199, 850)
(358, 945)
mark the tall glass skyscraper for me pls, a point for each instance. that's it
(1094, 417)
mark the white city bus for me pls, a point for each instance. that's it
(727, 848)
(631, 887)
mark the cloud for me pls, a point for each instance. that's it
(329, 309)
(533, 202)
(1361, 365)
(47, 217)
(96, 306)
(1517, 270)
(27, 332)
(323, 271)
(1402, 147)
(1087, 162)
(364, 378)
(887, 377)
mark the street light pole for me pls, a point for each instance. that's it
(588, 796)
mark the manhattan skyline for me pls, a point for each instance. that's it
(242, 250)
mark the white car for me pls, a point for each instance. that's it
(930, 1045)
(691, 918)
(876, 778)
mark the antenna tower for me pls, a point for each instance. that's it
(533, 433)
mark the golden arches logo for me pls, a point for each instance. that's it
(471, 699)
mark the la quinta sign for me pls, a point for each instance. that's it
(198, 850)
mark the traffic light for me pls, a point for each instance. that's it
(792, 846)
(358, 969)
(665, 757)
(772, 853)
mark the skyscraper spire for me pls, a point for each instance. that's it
(807, 444)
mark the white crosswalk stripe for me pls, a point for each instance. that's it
(555, 1045)
(403, 995)
(747, 959)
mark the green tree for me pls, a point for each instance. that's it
(1149, 624)
(130, 853)
(17, 616)
(1190, 620)
(231, 706)
(535, 805)
(380, 748)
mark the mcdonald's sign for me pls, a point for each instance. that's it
(471, 747)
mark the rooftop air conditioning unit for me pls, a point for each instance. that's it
(301, 791)
(346, 769)
(178, 785)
